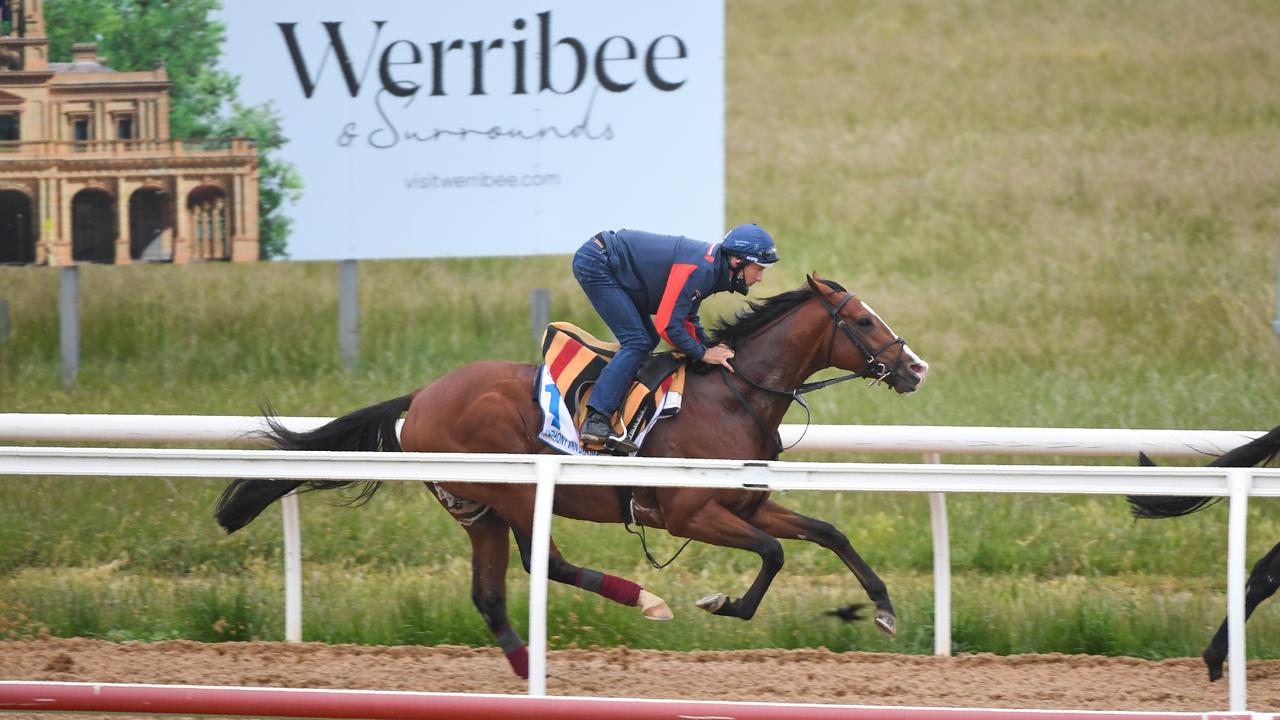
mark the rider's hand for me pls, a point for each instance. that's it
(719, 355)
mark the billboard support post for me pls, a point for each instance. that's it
(348, 313)
(539, 313)
(69, 322)
(1275, 324)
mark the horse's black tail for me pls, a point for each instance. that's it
(370, 429)
(1255, 452)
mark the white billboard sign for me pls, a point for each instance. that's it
(425, 128)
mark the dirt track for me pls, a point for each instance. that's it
(1026, 681)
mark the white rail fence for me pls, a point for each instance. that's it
(1096, 442)
(937, 479)
(931, 442)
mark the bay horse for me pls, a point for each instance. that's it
(1264, 579)
(489, 407)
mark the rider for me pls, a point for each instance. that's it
(629, 275)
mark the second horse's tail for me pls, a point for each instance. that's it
(370, 429)
(1255, 452)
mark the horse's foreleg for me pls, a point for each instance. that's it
(1263, 582)
(489, 552)
(619, 590)
(714, 524)
(782, 522)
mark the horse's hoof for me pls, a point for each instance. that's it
(1214, 665)
(713, 602)
(654, 607)
(887, 623)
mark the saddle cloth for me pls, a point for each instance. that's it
(571, 362)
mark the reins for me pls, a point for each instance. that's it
(875, 370)
(626, 500)
(645, 546)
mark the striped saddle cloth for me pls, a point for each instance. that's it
(571, 362)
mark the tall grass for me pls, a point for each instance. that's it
(1068, 208)
(141, 559)
(1134, 615)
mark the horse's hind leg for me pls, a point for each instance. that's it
(781, 522)
(489, 552)
(619, 590)
(714, 524)
(1263, 582)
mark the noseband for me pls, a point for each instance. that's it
(875, 369)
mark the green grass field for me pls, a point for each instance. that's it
(1068, 208)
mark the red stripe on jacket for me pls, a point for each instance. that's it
(675, 285)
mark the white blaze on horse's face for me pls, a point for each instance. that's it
(911, 360)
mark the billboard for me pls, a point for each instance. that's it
(436, 129)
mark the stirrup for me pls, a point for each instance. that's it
(620, 445)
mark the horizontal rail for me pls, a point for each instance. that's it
(967, 440)
(912, 439)
(625, 471)
(323, 703)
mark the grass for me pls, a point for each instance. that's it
(139, 559)
(1132, 615)
(1068, 208)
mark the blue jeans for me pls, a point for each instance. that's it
(629, 324)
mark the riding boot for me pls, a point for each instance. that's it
(596, 430)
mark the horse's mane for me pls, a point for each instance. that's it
(756, 316)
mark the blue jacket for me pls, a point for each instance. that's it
(668, 276)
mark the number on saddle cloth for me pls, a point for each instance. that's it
(572, 360)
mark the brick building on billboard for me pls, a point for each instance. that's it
(89, 173)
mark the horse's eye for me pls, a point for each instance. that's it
(865, 323)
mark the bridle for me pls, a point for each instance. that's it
(875, 369)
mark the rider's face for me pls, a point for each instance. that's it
(753, 273)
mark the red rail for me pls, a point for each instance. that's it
(302, 703)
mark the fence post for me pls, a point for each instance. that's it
(292, 568)
(546, 469)
(1239, 481)
(941, 568)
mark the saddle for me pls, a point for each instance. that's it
(572, 360)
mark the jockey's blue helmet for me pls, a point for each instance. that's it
(751, 243)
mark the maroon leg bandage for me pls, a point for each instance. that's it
(621, 591)
(614, 588)
(513, 647)
(519, 662)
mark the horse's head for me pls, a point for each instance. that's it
(862, 342)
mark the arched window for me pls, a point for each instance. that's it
(150, 223)
(93, 227)
(17, 229)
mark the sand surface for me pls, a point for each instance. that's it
(813, 676)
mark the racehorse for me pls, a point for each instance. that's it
(489, 407)
(1265, 577)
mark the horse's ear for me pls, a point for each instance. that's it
(1145, 461)
(816, 284)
